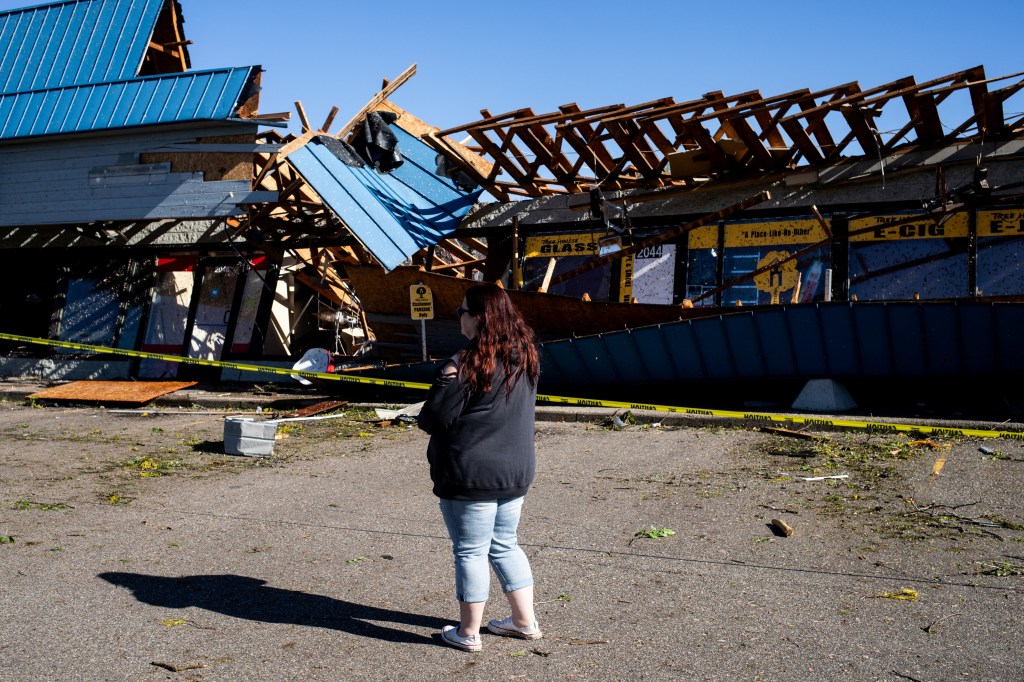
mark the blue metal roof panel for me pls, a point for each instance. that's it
(393, 215)
(74, 43)
(1008, 323)
(808, 349)
(942, 336)
(197, 95)
(903, 339)
(777, 346)
(908, 349)
(838, 337)
(744, 344)
(873, 340)
(976, 324)
(683, 351)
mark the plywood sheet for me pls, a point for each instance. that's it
(112, 391)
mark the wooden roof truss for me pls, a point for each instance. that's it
(629, 147)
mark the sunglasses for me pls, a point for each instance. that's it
(460, 311)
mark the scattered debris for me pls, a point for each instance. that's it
(937, 467)
(905, 594)
(178, 668)
(780, 509)
(823, 478)
(931, 626)
(1000, 569)
(905, 677)
(946, 515)
(541, 652)
(586, 641)
(782, 527)
(989, 454)
(406, 414)
(792, 434)
(318, 408)
(173, 622)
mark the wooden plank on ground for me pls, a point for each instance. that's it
(112, 391)
(318, 408)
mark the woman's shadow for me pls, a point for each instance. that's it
(249, 598)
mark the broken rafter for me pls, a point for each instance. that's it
(377, 99)
(620, 147)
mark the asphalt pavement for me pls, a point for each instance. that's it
(329, 560)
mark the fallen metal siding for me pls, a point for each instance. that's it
(198, 95)
(74, 43)
(393, 215)
(837, 340)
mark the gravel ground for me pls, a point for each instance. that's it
(132, 545)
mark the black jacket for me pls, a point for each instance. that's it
(481, 445)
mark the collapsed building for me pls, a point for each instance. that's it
(842, 232)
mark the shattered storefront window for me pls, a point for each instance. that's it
(891, 261)
(102, 305)
(168, 316)
(251, 296)
(214, 311)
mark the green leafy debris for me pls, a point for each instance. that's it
(654, 532)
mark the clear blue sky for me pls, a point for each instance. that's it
(503, 56)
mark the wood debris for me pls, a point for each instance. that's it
(782, 527)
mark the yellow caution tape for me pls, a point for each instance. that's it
(246, 367)
(876, 427)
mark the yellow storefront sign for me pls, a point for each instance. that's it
(884, 228)
(759, 234)
(1004, 223)
(560, 245)
(877, 228)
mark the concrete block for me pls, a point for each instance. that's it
(246, 436)
(824, 395)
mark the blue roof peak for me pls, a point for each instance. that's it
(80, 42)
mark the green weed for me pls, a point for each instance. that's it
(1000, 569)
(654, 532)
(151, 467)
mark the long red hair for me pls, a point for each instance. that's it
(502, 337)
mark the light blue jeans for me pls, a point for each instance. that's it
(482, 531)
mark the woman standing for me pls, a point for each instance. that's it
(480, 417)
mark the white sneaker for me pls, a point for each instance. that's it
(506, 628)
(451, 637)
